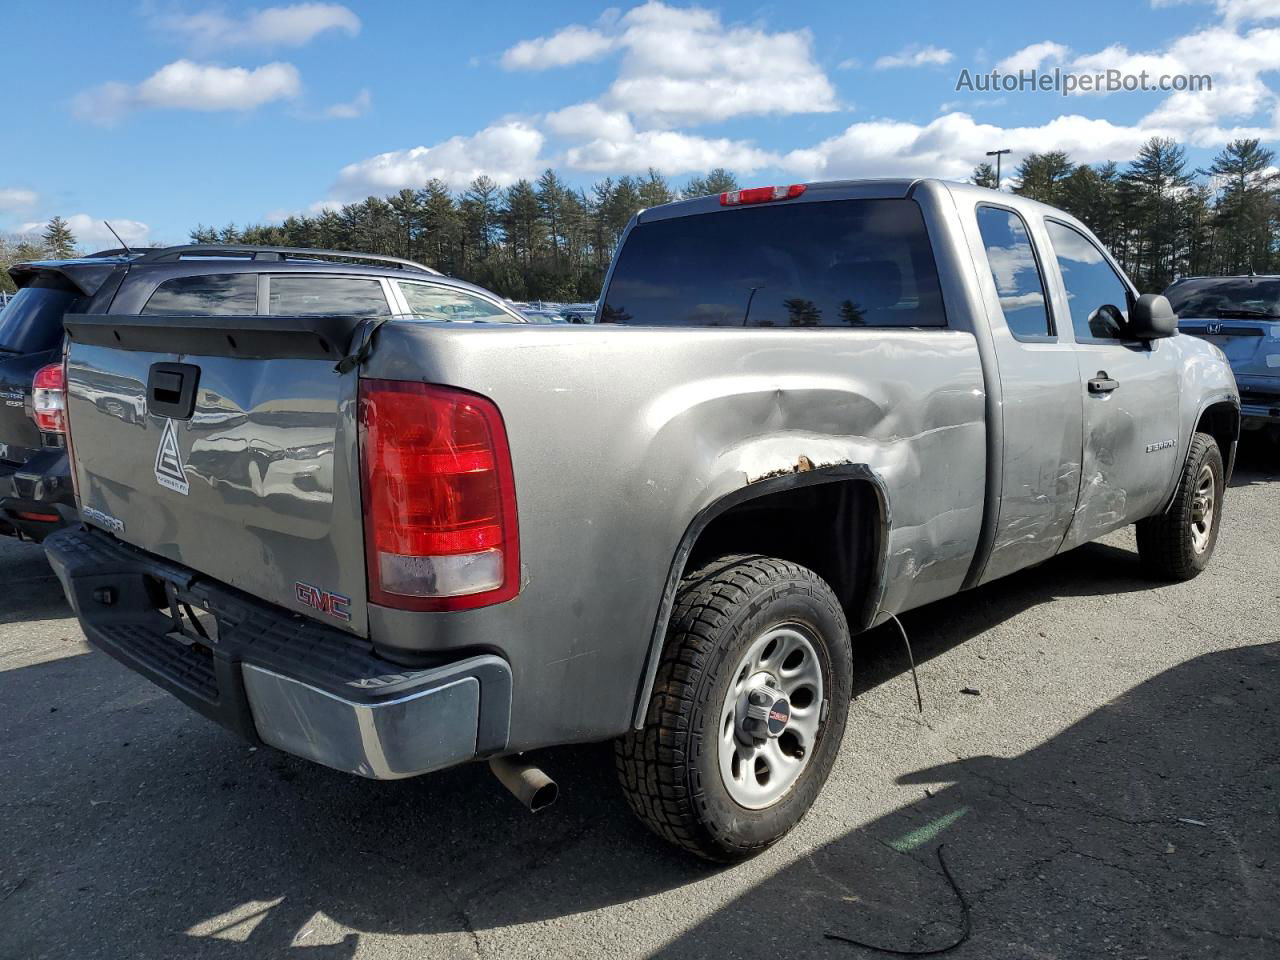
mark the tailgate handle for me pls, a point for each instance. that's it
(171, 390)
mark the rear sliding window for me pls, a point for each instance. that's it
(210, 295)
(845, 263)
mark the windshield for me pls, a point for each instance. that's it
(844, 263)
(32, 320)
(1226, 296)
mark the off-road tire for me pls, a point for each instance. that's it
(1165, 542)
(669, 768)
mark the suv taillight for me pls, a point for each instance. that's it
(49, 399)
(439, 498)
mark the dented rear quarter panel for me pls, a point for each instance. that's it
(621, 436)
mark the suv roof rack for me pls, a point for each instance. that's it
(240, 251)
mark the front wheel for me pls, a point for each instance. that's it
(748, 708)
(1177, 544)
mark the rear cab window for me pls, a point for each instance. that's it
(207, 295)
(833, 263)
(1015, 272)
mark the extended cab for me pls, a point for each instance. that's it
(395, 546)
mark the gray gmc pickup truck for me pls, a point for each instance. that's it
(396, 542)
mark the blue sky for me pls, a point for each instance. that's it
(162, 115)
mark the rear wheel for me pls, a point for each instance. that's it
(748, 708)
(1177, 544)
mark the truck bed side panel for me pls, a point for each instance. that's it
(620, 436)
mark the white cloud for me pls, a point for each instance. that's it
(185, 85)
(963, 106)
(1241, 11)
(914, 56)
(1236, 63)
(92, 234)
(684, 66)
(13, 199)
(291, 26)
(671, 74)
(669, 151)
(1034, 57)
(849, 63)
(590, 121)
(951, 145)
(568, 46)
(505, 151)
(358, 106)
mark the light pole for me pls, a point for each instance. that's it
(997, 154)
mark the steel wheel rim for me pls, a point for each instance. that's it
(1202, 509)
(758, 774)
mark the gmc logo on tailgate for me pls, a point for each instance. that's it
(330, 604)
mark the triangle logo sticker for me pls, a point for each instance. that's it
(170, 472)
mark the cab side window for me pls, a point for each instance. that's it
(1097, 297)
(1013, 266)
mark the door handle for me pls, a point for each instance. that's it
(1102, 383)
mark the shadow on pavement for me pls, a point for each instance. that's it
(28, 588)
(133, 828)
(1148, 829)
(1257, 460)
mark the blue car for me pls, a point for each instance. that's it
(1241, 315)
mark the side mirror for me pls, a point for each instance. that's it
(1152, 317)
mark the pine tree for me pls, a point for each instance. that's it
(984, 175)
(718, 180)
(1159, 181)
(1245, 214)
(1041, 176)
(59, 241)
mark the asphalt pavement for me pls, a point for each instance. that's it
(1109, 786)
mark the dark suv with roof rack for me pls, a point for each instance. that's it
(36, 495)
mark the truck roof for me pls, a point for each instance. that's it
(865, 189)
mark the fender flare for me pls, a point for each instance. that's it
(790, 481)
(1228, 456)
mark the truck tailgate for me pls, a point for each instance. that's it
(252, 477)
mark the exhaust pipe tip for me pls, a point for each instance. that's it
(527, 783)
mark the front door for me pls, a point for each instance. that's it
(1129, 393)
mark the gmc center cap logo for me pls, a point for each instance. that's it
(779, 716)
(170, 472)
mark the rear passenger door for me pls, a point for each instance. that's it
(1040, 385)
(1130, 391)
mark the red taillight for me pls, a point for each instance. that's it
(49, 399)
(733, 198)
(439, 498)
